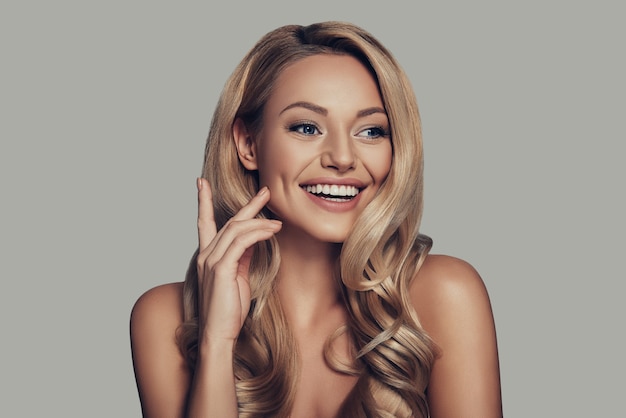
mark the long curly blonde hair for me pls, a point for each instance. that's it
(393, 355)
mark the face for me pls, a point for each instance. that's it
(324, 149)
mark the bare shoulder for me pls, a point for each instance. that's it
(161, 371)
(154, 320)
(164, 302)
(445, 288)
(165, 299)
(453, 307)
(450, 297)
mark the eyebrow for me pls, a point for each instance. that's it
(322, 111)
(306, 105)
(371, 111)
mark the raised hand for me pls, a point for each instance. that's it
(223, 262)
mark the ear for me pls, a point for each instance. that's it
(246, 147)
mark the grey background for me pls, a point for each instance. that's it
(104, 110)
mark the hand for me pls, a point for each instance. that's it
(223, 263)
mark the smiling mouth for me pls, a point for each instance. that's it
(333, 192)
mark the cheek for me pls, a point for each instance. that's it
(269, 159)
(277, 165)
(284, 159)
(380, 162)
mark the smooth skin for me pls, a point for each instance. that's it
(342, 142)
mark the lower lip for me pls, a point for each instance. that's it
(333, 206)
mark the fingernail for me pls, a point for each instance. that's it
(199, 183)
(276, 221)
(263, 190)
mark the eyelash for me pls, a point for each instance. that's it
(380, 132)
(298, 127)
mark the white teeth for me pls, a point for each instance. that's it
(332, 190)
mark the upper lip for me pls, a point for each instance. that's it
(331, 180)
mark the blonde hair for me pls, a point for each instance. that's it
(378, 260)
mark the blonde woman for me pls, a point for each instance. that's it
(312, 293)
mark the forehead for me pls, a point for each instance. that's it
(326, 80)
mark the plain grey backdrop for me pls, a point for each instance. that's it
(105, 107)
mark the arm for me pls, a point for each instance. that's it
(223, 298)
(454, 309)
(163, 377)
(166, 387)
(160, 370)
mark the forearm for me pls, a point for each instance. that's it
(213, 389)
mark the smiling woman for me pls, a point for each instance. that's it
(312, 293)
(324, 126)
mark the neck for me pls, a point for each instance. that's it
(306, 285)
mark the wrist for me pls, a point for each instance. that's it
(209, 347)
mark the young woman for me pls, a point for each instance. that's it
(312, 293)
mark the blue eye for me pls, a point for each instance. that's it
(305, 129)
(373, 133)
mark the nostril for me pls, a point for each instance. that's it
(338, 162)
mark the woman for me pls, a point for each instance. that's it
(312, 293)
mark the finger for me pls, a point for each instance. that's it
(248, 212)
(254, 206)
(228, 262)
(244, 264)
(240, 232)
(206, 219)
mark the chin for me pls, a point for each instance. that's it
(331, 234)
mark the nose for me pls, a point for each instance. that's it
(338, 153)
